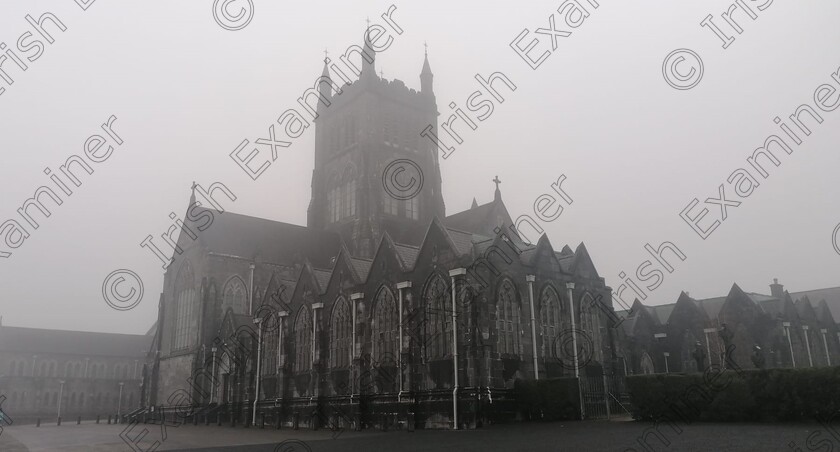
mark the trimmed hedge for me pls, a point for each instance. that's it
(548, 400)
(746, 395)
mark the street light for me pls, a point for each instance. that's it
(60, 396)
(258, 321)
(119, 402)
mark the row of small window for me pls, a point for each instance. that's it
(71, 370)
(23, 401)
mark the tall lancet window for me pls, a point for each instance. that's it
(348, 181)
(550, 323)
(438, 309)
(384, 330)
(303, 340)
(341, 329)
(507, 319)
(185, 321)
(235, 296)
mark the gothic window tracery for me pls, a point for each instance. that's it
(303, 340)
(384, 329)
(550, 323)
(438, 327)
(235, 296)
(340, 334)
(507, 319)
(185, 306)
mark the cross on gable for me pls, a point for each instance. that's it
(497, 181)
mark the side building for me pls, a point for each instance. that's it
(46, 373)
(780, 329)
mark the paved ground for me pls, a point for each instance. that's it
(575, 436)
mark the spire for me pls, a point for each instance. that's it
(368, 54)
(498, 195)
(474, 204)
(324, 88)
(192, 196)
(426, 76)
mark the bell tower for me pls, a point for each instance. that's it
(373, 171)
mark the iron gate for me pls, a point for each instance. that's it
(604, 397)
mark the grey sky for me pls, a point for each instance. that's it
(634, 150)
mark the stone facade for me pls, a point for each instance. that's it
(351, 319)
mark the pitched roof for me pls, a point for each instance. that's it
(831, 295)
(276, 242)
(712, 306)
(407, 253)
(663, 312)
(322, 277)
(36, 340)
(361, 266)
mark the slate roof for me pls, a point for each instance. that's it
(276, 242)
(362, 267)
(407, 253)
(663, 312)
(322, 277)
(473, 219)
(712, 306)
(36, 340)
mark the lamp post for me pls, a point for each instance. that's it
(530, 279)
(452, 275)
(258, 321)
(570, 286)
(60, 396)
(119, 402)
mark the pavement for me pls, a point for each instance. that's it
(554, 436)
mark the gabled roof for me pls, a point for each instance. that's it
(482, 220)
(831, 295)
(407, 254)
(244, 236)
(36, 340)
(712, 306)
(582, 263)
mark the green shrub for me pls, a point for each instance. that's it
(746, 395)
(548, 400)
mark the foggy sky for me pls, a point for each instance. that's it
(635, 151)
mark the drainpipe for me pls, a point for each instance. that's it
(251, 292)
(570, 286)
(786, 326)
(258, 321)
(452, 275)
(808, 344)
(530, 279)
(353, 298)
(706, 332)
(825, 344)
(400, 287)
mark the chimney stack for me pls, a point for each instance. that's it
(777, 290)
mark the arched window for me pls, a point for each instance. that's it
(348, 183)
(507, 319)
(590, 324)
(235, 296)
(303, 340)
(437, 300)
(341, 330)
(332, 199)
(384, 329)
(185, 306)
(550, 323)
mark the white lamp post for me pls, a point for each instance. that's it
(60, 396)
(258, 321)
(119, 403)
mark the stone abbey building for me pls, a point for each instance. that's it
(351, 319)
